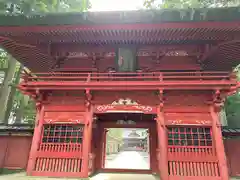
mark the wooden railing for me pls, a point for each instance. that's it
(115, 76)
(123, 81)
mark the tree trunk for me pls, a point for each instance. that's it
(6, 89)
(20, 110)
(13, 94)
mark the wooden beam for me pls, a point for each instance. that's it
(159, 26)
(215, 49)
(88, 50)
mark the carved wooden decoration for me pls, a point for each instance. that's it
(129, 122)
(64, 117)
(125, 105)
(199, 122)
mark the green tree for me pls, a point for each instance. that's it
(15, 105)
(116, 132)
(179, 4)
(42, 6)
(6, 89)
(232, 104)
(232, 107)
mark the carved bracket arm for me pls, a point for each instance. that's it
(88, 98)
(160, 113)
(218, 101)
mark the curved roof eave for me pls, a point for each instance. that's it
(123, 17)
(134, 27)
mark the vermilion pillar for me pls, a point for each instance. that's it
(162, 145)
(87, 141)
(219, 146)
(152, 149)
(36, 138)
(104, 141)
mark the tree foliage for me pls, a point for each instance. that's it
(116, 132)
(43, 6)
(232, 104)
(19, 108)
(232, 107)
(182, 4)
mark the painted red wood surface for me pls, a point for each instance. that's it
(187, 136)
(169, 63)
(14, 151)
(125, 109)
(60, 150)
(175, 25)
(162, 144)
(145, 98)
(187, 142)
(64, 117)
(191, 152)
(232, 148)
(145, 62)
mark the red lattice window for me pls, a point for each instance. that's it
(189, 136)
(62, 133)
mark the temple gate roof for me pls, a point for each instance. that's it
(36, 40)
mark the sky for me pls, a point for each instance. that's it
(116, 5)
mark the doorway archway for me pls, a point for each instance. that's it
(125, 120)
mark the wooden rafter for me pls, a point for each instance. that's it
(42, 45)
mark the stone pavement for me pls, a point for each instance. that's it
(123, 177)
(101, 176)
(22, 176)
(129, 160)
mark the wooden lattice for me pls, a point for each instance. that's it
(60, 149)
(191, 152)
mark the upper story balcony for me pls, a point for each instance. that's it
(129, 81)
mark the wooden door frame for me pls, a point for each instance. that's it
(152, 145)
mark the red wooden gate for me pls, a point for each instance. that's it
(60, 151)
(191, 153)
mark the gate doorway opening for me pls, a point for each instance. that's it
(129, 145)
(124, 154)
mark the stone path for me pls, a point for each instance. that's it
(102, 176)
(129, 160)
(22, 176)
(123, 177)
